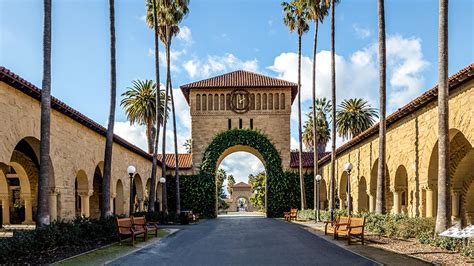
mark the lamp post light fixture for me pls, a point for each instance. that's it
(318, 195)
(131, 171)
(162, 180)
(348, 169)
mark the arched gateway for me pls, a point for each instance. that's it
(241, 111)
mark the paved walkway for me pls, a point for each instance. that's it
(243, 241)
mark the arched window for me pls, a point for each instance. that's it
(277, 101)
(264, 101)
(282, 101)
(222, 103)
(252, 101)
(216, 102)
(198, 102)
(227, 101)
(259, 101)
(270, 101)
(209, 102)
(204, 102)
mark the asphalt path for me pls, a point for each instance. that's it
(243, 241)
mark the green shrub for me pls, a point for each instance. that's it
(468, 251)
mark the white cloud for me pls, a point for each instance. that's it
(134, 134)
(197, 68)
(175, 56)
(361, 32)
(185, 35)
(241, 165)
(357, 74)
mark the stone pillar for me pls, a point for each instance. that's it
(371, 203)
(396, 201)
(140, 204)
(85, 195)
(112, 197)
(429, 202)
(53, 205)
(455, 204)
(28, 210)
(5, 210)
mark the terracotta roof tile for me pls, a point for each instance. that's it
(308, 158)
(242, 185)
(240, 79)
(34, 92)
(185, 160)
(429, 96)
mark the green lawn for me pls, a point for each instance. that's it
(101, 256)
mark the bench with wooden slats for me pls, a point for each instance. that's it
(141, 223)
(125, 227)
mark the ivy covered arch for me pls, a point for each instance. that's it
(265, 151)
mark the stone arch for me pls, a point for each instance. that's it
(259, 101)
(96, 197)
(210, 103)
(277, 101)
(342, 191)
(270, 101)
(400, 190)
(373, 188)
(82, 193)
(198, 102)
(363, 197)
(119, 198)
(204, 102)
(254, 142)
(138, 192)
(247, 205)
(323, 196)
(264, 101)
(222, 102)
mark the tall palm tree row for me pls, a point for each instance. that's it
(323, 132)
(444, 182)
(332, 5)
(354, 116)
(152, 17)
(105, 210)
(139, 103)
(296, 19)
(43, 217)
(318, 11)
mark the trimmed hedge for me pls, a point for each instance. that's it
(47, 244)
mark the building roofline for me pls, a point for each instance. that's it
(462, 76)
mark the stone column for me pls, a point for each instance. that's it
(371, 203)
(5, 210)
(140, 204)
(85, 195)
(429, 202)
(455, 204)
(112, 197)
(28, 210)
(53, 205)
(396, 201)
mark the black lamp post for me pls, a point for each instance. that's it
(131, 171)
(348, 168)
(318, 196)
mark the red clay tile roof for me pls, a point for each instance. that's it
(240, 79)
(308, 158)
(242, 185)
(34, 92)
(185, 160)
(462, 76)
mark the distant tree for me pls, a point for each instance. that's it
(258, 190)
(230, 183)
(221, 175)
(354, 116)
(188, 145)
(323, 107)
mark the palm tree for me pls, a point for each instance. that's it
(152, 17)
(318, 11)
(105, 210)
(139, 103)
(43, 218)
(444, 183)
(323, 107)
(188, 145)
(353, 117)
(296, 19)
(380, 193)
(170, 15)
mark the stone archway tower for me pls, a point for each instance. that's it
(240, 99)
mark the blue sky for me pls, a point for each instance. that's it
(220, 36)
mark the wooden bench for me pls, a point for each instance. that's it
(193, 217)
(354, 229)
(340, 224)
(141, 223)
(291, 215)
(125, 227)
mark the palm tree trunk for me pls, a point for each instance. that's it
(152, 192)
(149, 135)
(315, 132)
(333, 112)
(105, 210)
(43, 218)
(303, 196)
(381, 171)
(176, 166)
(163, 165)
(444, 184)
